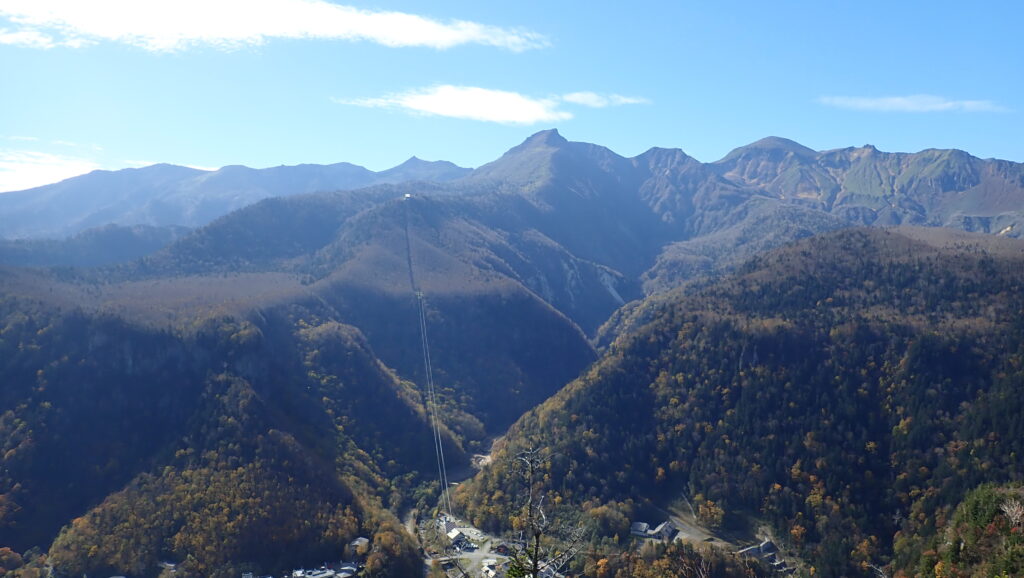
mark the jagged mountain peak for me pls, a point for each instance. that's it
(414, 161)
(530, 161)
(550, 137)
(545, 140)
(546, 153)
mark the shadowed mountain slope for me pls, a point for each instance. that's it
(106, 245)
(202, 448)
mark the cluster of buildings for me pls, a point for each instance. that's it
(458, 537)
(769, 554)
(340, 570)
(463, 543)
(765, 551)
(491, 568)
(664, 531)
(337, 570)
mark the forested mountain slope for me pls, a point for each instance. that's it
(105, 245)
(848, 390)
(204, 448)
(984, 536)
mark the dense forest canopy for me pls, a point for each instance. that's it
(204, 449)
(848, 390)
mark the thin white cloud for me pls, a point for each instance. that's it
(594, 100)
(172, 25)
(486, 104)
(469, 102)
(20, 169)
(911, 103)
(590, 99)
(27, 37)
(58, 142)
(618, 99)
(68, 143)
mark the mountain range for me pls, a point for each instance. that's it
(168, 195)
(694, 216)
(274, 336)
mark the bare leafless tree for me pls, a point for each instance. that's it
(697, 568)
(879, 571)
(1014, 511)
(545, 548)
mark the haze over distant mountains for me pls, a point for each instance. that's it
(853, 185)
(170, 195)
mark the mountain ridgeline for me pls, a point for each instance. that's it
(690, 215)
(257, 377)
(168, 195)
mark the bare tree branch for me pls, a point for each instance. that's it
(881, 573)
(1013, 510)
(538, 554)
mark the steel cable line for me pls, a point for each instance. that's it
(432, 406)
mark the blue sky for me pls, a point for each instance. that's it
(123, 83)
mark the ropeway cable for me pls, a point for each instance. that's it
(432, 406)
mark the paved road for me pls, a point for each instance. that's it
(691, 531)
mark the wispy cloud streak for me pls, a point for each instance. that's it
(489, 105)
(172, 25)
(22, 169)
(910, 103)
(594, 100)
(469, 102)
